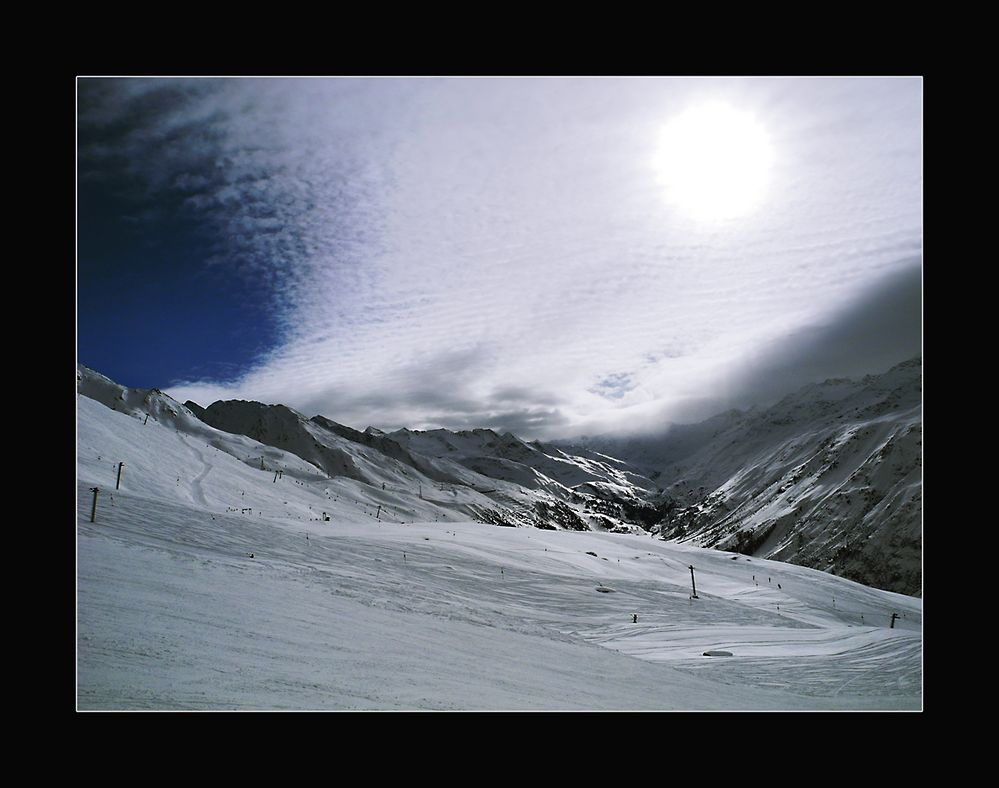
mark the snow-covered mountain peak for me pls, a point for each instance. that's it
(830, 477)
(482, 474)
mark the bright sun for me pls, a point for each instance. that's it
(714, 162)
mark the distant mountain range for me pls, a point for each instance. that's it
(425, 475)
(830, 477)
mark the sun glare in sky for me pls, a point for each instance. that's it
(554, 256)
(714, 161)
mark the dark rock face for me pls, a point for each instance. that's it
(283, 428)
(830, 477)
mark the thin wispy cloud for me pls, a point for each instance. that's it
(499, 252)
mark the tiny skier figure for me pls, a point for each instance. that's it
(634, 618)
(251, 555)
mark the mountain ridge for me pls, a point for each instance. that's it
(827, 477)
(830, 477)
(471, 474)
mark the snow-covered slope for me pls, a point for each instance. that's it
(435, 475)
(210, 582)
(477, 473)
(829, 477)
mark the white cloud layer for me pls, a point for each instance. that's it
(499, 252)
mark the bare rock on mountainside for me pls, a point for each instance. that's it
(440, 474)
(830, 477)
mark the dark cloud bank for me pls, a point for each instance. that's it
(881, 329)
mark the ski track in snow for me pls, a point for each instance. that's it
(197, 491)
(173, 613)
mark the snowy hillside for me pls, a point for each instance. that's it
(211, 579)
(476, 474)
(829, 477)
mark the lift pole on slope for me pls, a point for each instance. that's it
(93, 511)
(117, 484)
(692, 585)
(893, 617)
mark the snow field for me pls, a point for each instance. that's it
(358, 613)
